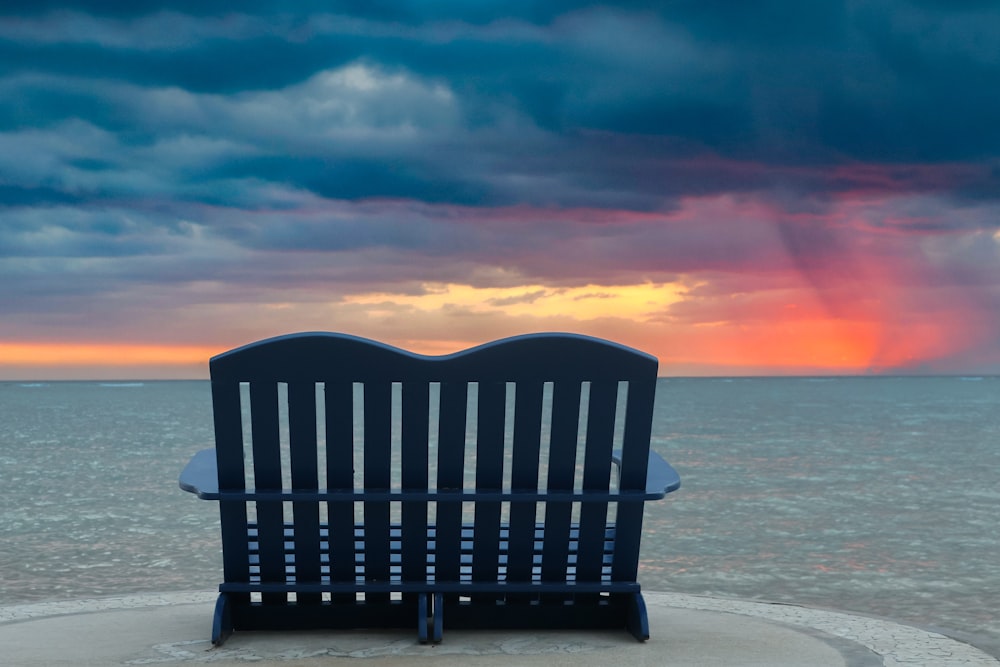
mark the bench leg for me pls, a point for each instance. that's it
(438, 624)
(637, 621)
(222, 623)
(423, 618)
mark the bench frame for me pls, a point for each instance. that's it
(392, 549)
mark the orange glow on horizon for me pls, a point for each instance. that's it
(813, 344)
(830, 345)
(103, 354)
(790, 347)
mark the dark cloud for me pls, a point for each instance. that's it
(782, 86)
(18, 196)
(216, 65)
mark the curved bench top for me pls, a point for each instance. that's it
(313, 356)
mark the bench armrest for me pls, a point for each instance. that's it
(200, 476)
(661, 478)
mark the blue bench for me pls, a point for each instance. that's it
(360, 485)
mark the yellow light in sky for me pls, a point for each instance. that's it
(633, 302)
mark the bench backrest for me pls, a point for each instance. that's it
(536, 414)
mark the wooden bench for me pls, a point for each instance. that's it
(360, 485)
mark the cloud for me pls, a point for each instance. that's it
(825, 81)
(186, 171)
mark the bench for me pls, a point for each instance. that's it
(363, 486)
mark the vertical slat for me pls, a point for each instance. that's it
(562, 468)
(596, 478)
(489, 477)
(339, 409)
(524, 477)
(377, 476)
(229, 460)
(305, 477)
(451, 452)
(635, 461)
(267, 477)
(415, 416)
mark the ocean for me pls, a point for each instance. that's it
(876, 495)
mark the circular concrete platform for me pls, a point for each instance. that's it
(686, 630)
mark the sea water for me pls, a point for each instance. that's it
(876, 495)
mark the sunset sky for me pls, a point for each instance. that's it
(773, 187)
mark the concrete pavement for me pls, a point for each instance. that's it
(173, 628)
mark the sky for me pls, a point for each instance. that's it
(777, 187)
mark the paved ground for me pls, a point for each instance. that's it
(686, 630)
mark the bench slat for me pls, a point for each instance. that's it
(305, 475)
(377, 476)
(230, 474)
(601, 410)
(489, 477)
(267, 476)
(339, 409)
(415, 413)
(632, 475)
(466, 495)
(562, 468)
(451, 457)
(524, 475)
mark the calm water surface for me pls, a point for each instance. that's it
(875, 495)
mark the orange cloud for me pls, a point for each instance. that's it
(807, 346)
(808, 335)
